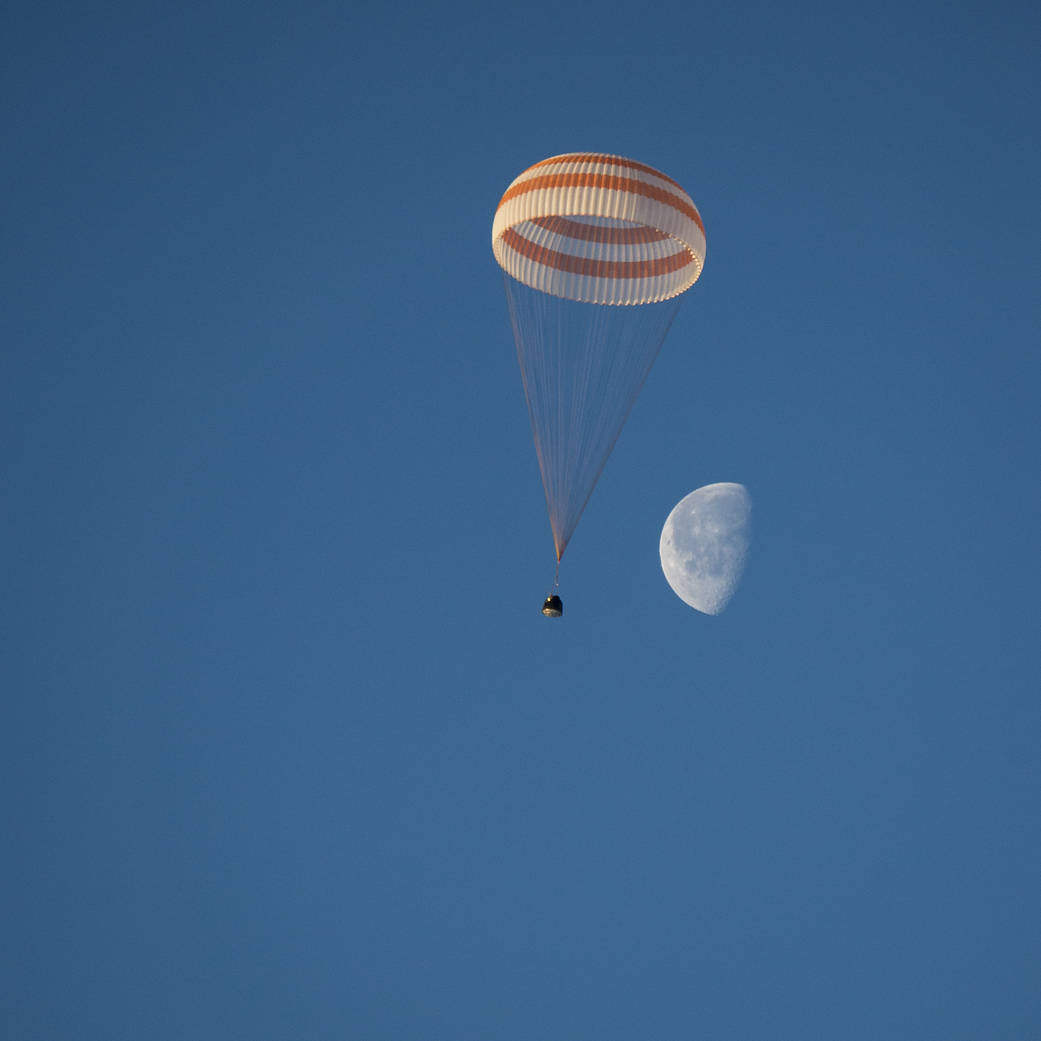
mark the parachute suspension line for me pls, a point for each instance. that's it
(582, 367)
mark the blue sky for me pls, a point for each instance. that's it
(288, 750)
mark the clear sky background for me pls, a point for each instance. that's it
(287, 750)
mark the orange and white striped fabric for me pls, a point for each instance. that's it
(599, 229)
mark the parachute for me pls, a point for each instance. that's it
(595, 251)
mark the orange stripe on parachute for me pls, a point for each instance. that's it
(604, 182)
(610, 236)
(607, 160)
(596, 268)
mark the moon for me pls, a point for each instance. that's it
(704, 545)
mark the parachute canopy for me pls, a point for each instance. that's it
(599, 229)
(596, 250)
